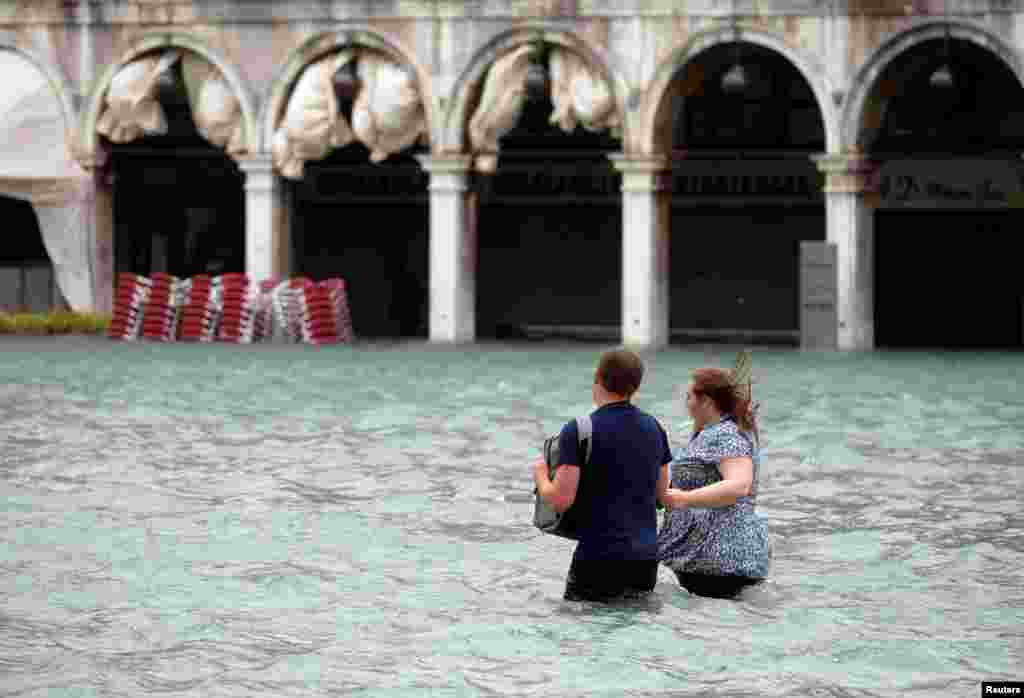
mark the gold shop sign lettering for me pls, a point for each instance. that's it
(950, 183)
(587, 179)
(806, 186)
(900, 183)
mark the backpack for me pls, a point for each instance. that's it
(544, 517)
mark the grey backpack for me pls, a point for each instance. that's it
(544, 517)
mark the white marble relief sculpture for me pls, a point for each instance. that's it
(312, 125)
(501, 105)
(387, 116)
(579, 95)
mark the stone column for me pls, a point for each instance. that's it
(646, 201)
(850, 201)
(453, 249)
(267, 234)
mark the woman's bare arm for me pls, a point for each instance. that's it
(737, 479)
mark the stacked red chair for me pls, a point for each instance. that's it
(263, 309)
(230, 308)
(343, 317)
(319, 319)
(198, 316)
(294, 308)
(237, 316)
(132, 292)
(297, 307)
(285, 324)
(160, 311)
(216, 307)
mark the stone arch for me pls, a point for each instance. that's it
(89, 137)
(649, 113)
(62, 91)
(456, 116)
(927, 30)
(322, 44)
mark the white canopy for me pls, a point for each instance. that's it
(131, 108)
(387, 114)
(579, 95)
(501, 105)
(36, 166)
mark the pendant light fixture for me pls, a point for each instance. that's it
(942, 78)
(735, 79)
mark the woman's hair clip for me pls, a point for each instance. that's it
(740, 377)
(741, 372)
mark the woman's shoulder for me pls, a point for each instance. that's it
(725, 440)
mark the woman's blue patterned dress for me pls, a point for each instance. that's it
(730, 540)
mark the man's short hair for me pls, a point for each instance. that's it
(620, 371)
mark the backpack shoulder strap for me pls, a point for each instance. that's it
(584, 432)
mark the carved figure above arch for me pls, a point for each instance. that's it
(387, 111)
(131, 107)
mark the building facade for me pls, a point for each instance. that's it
(643, 168)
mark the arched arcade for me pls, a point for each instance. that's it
(350, 117)
(936, 121)
(729, 191)
(168, 128)
(528, 214)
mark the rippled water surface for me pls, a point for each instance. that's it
(292, 521)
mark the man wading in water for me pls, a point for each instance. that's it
(616, 556)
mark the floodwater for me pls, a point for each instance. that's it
(211, 520)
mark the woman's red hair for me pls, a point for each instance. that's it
(729, 398)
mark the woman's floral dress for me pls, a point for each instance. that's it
(730, 540)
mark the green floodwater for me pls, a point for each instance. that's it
(217, 520)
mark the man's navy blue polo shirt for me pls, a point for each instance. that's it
(615, 504)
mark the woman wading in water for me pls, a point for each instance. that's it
(711, 537)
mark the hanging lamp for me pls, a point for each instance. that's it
(735, 79)
(943, 78)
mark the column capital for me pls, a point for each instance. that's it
(848, 173)
(629, 163)
(643, 173)
(258, 163)
(259, 172)
(448, 163)
(448, 173)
